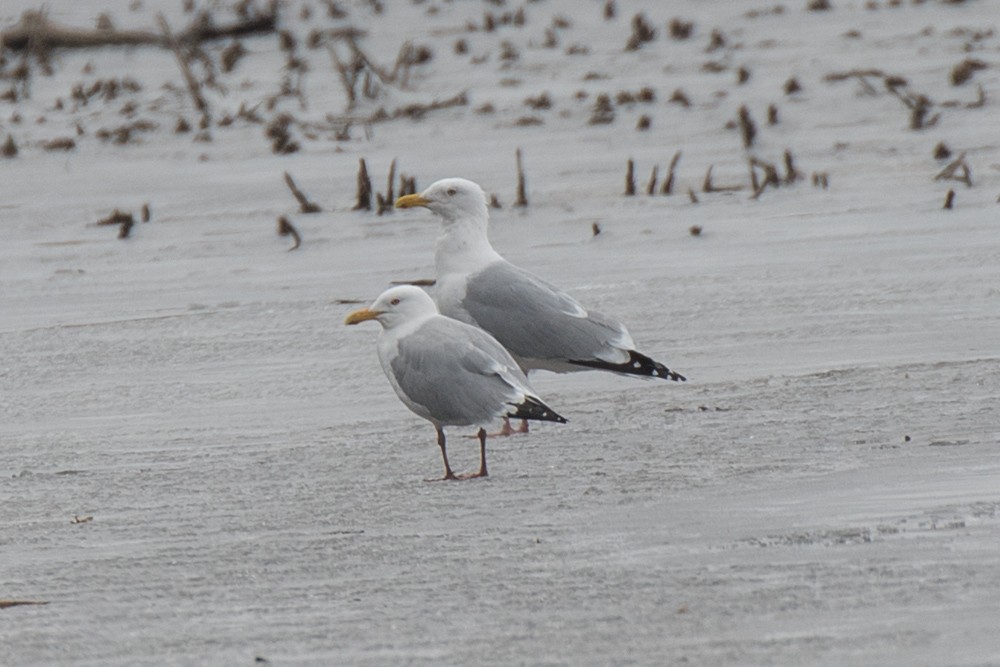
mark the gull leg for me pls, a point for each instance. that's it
(506, 429)
(482, 458)
(448, 474)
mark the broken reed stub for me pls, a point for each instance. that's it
(522, 190)
(748, 129)
(123, 219)
(364, 196)
(668, 183)
(286, 228)
(305, 206)
(956, 170)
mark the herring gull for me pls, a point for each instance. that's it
(539, 324)
(446, 371)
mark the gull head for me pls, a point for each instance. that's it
(395, 306)
(454, 199)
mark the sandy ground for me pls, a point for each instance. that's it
(824, 489)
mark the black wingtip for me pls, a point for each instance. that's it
(637, 364)
(532, 408)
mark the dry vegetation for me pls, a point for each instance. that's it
(321, 40)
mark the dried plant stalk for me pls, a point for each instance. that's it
(522, 190)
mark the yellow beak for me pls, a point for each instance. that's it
(409, 201)
(362, 315)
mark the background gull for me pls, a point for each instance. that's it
(448, 372)
(541, 326)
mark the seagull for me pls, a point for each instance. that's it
(448, 372)
(540, 325)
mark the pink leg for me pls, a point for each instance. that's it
(448, 474)
(482, 458)
(506, 429)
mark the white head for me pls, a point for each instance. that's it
(454, 199)
(395, 306)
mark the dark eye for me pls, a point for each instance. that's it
(394, 302)
(452, 192)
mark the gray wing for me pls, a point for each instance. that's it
(534, 320)
(457, 374)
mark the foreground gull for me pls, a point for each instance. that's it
(448, 372)
(541, 326)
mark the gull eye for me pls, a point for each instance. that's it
(452, 192)
(394, 302)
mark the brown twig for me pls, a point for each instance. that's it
(980, 99)
(747, 128)
(949, 200)
(285, 228)
(680, 97)
(119, 218)
(60, 144)
(603, 112)
(358, 67)
(772, 114)
(281, 139)
(419, 282)
(920, 106)
(630, 179)
(407, 185)
(708, 186)
(950, 172)
(364, 188)
(417, 111)
(183, 60)
(305, 206)
(855, 73)
(348, 76)
(941, 151)
(651, 185)
(4, 604)
(390, 184)
(963, 71)
(522, 189)
(642, 32)
(35, 31)
(9, 148)
(791, 174)
(770, 176)
(668, 183)
(384, 203)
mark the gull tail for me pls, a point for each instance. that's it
(532, 408)
(637, 364)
